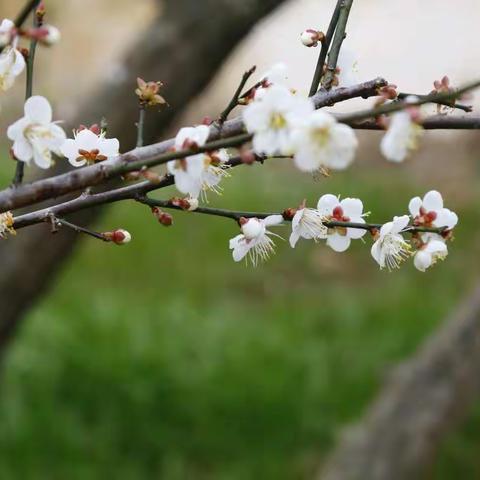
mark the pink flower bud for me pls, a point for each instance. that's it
(119, 237)
(310, 37)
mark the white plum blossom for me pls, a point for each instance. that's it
(272, 117)
(188, 171)
(390, 248)
(307, 223)
(255, 240)
(346, 210)
(429, 253)
(430, 212)
(402, 137)
(214, 169)
(320, 141)
(12, 64)
(6, 32)
(88, 147)
(35, 136)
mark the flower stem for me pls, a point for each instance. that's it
(140, 125)
(20, 167)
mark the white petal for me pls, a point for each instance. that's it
(16, 130)
(352, 207)
(399, 223)
(337, 242)
(414, 206)
(327, 203)
(422, 260)
(110, 147)
(38, 110)
(433, 201)
(294, 237)
(446, 218)
(22, 150)
(273, 220)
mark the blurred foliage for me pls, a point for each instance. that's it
(164, 359)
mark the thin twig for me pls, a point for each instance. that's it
(234, 101)
(77, 228)
(236, 215)
(337, 44)
(397, 106)
(27, 9)
(140, 125)
(20, 167)
(317, 76)
(465, 108)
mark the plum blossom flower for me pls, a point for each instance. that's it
(347, 210)
(430, 212)
(7, 29)
(6, 224)
(188, 172)
(12, 65)
(88, 147)
(402, 137)
(320, 141)
(255, 240)
(429, 253)
(35, 136)
(390, 248)
(307, 223)
(271, 119)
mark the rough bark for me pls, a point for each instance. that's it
(424, 399)
(183, 48)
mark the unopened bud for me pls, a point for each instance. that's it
(289, 213)
(248, 157)
(47, 35)
(310, 37)
(163, 217)
(40, 12)
(119, 237)
(189, 204)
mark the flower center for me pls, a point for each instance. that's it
(277, 121)
(321, 136)
(91, 156)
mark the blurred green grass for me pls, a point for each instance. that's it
(164, 359)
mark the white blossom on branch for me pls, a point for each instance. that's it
(35, 137)
(346, 210)
(255, 240)
(390, 248)
(89, 147)
(320, 141)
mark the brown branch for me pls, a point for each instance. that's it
(234, 101)
(317, 76)
(459, 106)
(340, 34)
(434, 122)
(28, 194)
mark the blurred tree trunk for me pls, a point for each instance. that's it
(424, 400)
(184, 47)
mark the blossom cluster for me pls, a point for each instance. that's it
(338, 222)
